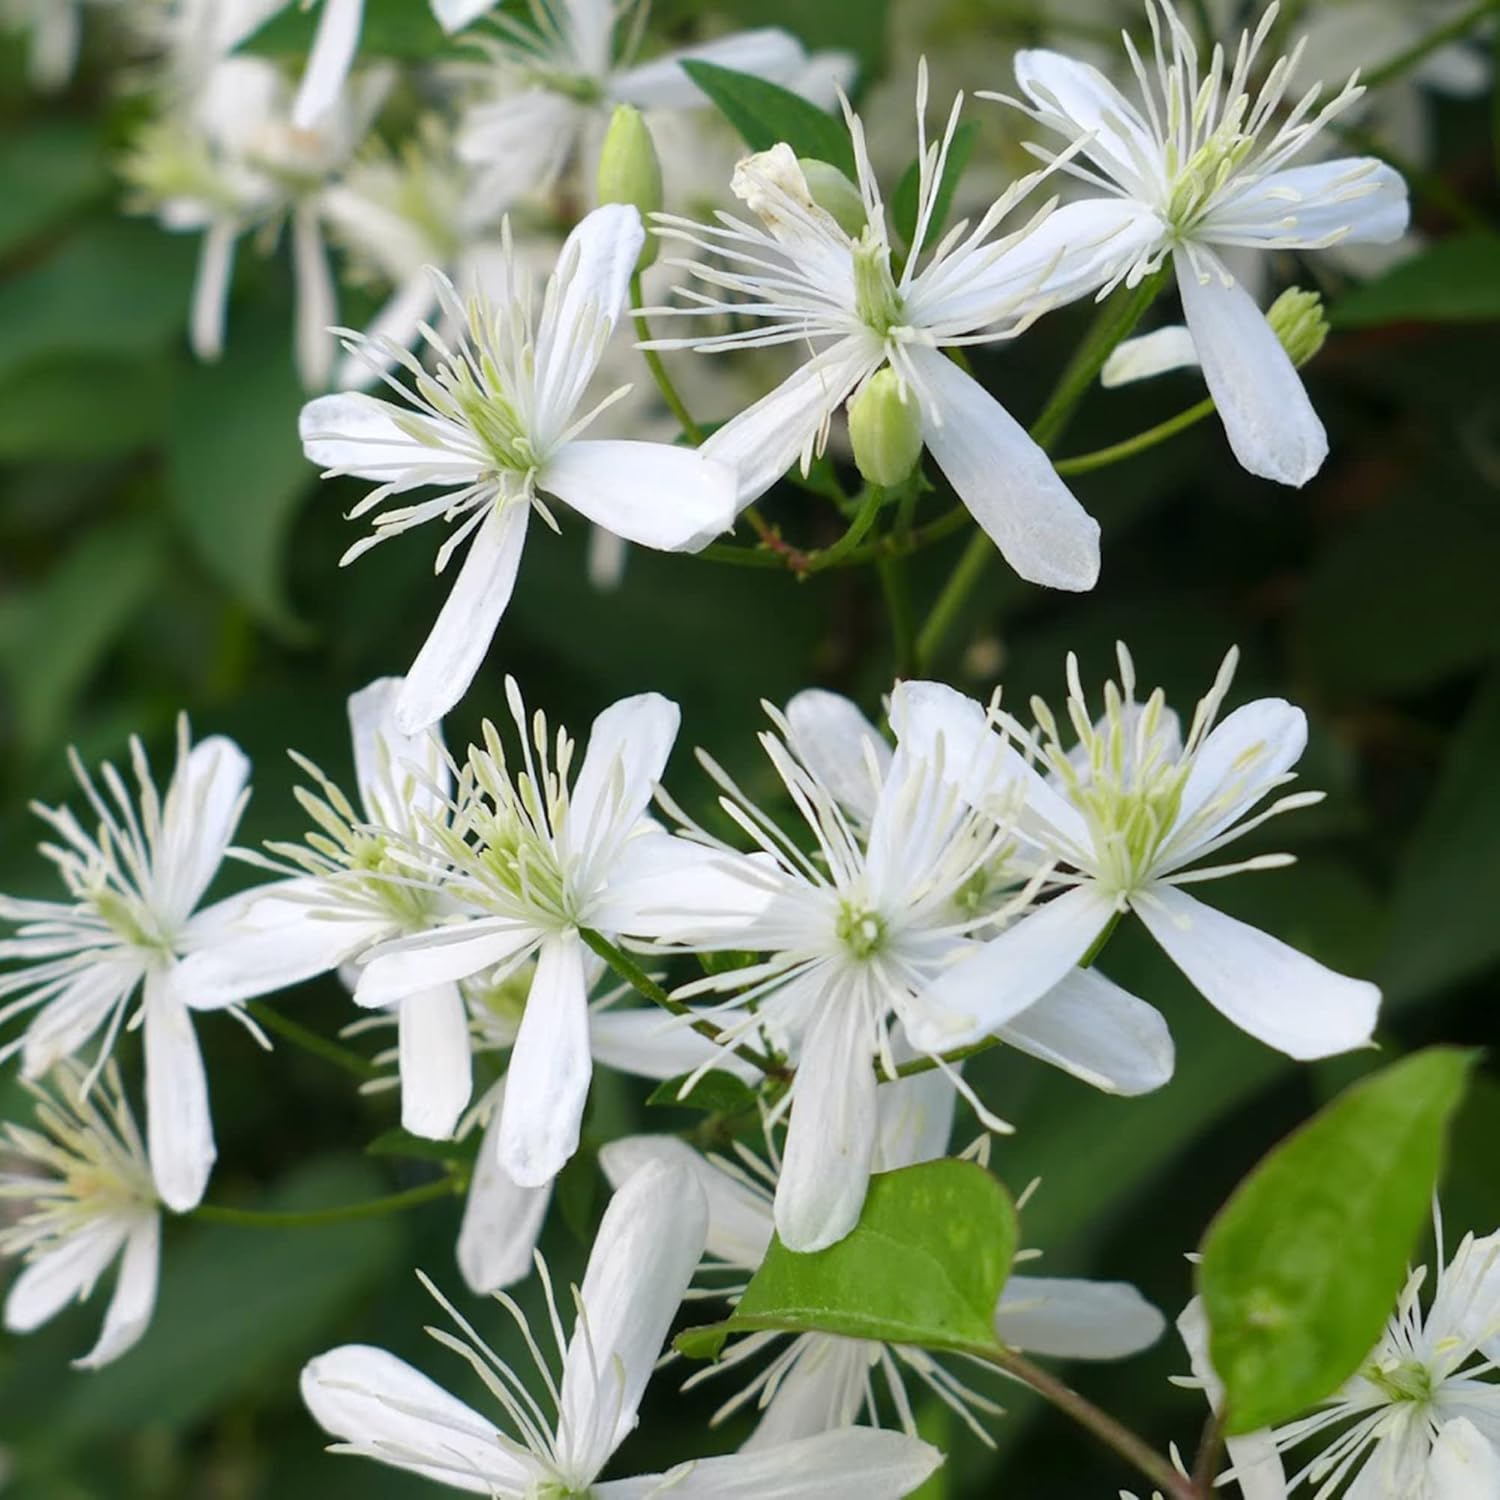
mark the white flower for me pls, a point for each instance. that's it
(1421, 1418)
(494, 427)
(819, 1382)
(56, 34)
(529, 861)
(1204, 166)
(131, 915)
(85, 1197)
(561, 75)
(818, 285)
(228, 160)
(896, 893)
(647, 1248)
(1120, 824)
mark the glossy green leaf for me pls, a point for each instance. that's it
(765, 114)
(904, 202)
(236, 484)
(716, 1090)
(925, 1265)
(1302, 1267)
(1454, 281)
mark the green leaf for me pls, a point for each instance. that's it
(1303, 1266)
(404, 1146)
(235, 467)
(1453, 282)
(1443, 926)
(716, 1091)
(765, 114)
(727, 961)
(50, 170)
(925, 1265)
(392, 28)
(904, 203)
(54, 636)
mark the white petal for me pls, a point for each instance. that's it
(502, 1220)
(550, 1068)
(1011, 972)
(591, 28)
(1006, 481)
(329, 61)
(1094, 106)
(767, 52)
(436, 1065)
(454, 15)
(856, 1463)
(397, 774)
(317, 301)
(839, 745)
(134, 1298)
(830, 1141)
(199, 816)
(1267, 416)
(1098, 1032)
(352, 433)
(627, 752)
(941, 726)
(62, 1275)
(672, 499)
(73, 1015)
(1286, 999)
(672, 890)
(739, 1220)
(1169, 348)
(583, 301)
(915, 1120)
(823, 1391)
(385, 1409)
(446, 954)
(650, 1043)
(1239, 762)
(1353, 200)
(1071, 1318)
(211, 288)
(517, 144)
(460, 636)
(179, 1130)
(766, 439)
(1463, 1465)
(647, 1248)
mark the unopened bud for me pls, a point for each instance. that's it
(834, 194)
(629, 171)
(1296, 318)
(885, 429)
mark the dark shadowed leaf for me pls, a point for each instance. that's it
(1452, 282)
(764, 114)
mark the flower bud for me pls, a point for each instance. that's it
(885, 429)
(1296, 318)
(834, 194)
(629, 171)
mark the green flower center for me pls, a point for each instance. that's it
(1411, 1380)
(876, 299)
(860, 930)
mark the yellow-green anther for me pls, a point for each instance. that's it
(1297, 319)
(832, 191)
(629, 170)
(886, 430)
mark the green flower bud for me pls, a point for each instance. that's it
(886, 430)
(1296, 318)
(629, 171)
(834, 194)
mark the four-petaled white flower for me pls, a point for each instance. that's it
(132, 914)
(560, 74)
(1119, 825)
(493, 428)
(855, 934)
(820, 1382)
(84, 1196)
(832, 287)
(1202, 167)
(644, 1256)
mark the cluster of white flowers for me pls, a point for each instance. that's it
(941, 888)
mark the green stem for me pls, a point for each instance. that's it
(690, 429)
(309, 1041)
(1113, 324)
(1210, 1451)
(644, 985)
(864, 518)
(896, 589)
(958, 1055)
(1409, 57)
(371, 1208)
(1101, 458)
(1135, 1450)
